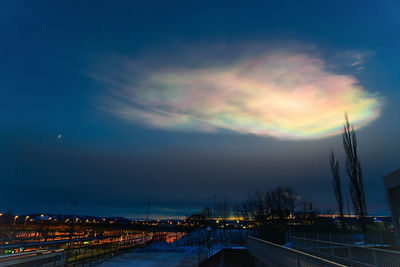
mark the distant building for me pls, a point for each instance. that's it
(392, 185)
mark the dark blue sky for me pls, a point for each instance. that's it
(50, 52)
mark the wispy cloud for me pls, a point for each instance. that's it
(284, 93)
(354, 59)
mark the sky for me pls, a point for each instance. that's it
(106, 103)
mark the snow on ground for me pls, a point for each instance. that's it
(153, 259)
(157, 255)
(184, 252)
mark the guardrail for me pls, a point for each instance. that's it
(347, 254)
(376, 239)
(272, 254)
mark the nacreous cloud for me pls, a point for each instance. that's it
(286, 95)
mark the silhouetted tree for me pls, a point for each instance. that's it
(353, 171)
(237, 211)
(305, 209)
(280, 203)
(336, 185)
(206, 212)
(248, 210)
(273, 206)
(223, 211)
(253, 209)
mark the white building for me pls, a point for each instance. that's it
(392, 185)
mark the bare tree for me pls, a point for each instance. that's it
(237, 211)
(337, 185)
(248, 210)
(223, 211)
(279, 203)
(271, 207)
(353, 170)
(206, 212)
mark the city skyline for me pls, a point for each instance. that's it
(106, 104)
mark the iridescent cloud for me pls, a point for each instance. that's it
(286, 95)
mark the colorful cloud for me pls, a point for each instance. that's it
(286, 95)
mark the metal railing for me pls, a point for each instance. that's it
(347, 254)
(382, 239)
(212, 242)
(272, 254)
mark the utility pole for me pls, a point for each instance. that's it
(71, 230)
(214, 207)
(148, 202)
(347, 202)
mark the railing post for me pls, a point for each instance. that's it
(374, 258)
(350, 254)
(306, 243)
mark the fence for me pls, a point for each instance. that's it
(81, 252)
(383, 239)
(347, 254)
(272, 254)
(210, 242)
